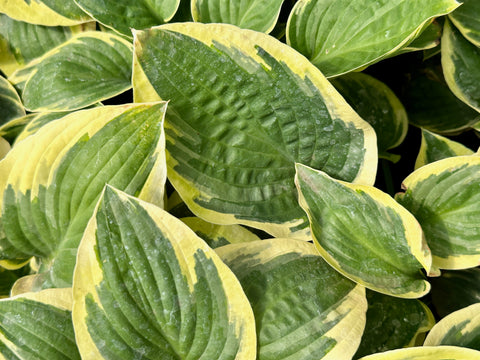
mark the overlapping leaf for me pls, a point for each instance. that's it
(303, 308)
(146, 286)
(243, 109)
(10, 104)
(124, 15)
(393, 323)
(88, 68)
(44, 12)
(339, 36)
(378, 105)
(364, 234)
(460, 328)
(427, 353)
(436, 147)
(461, 66)
(467, 19)
(4, 147)
(38, 326)
(444, 197)
(53, 179)
(259, 15)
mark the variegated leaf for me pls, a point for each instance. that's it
(467, 19)
(11, 106)
(427, 353)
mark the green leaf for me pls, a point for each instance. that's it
(393, 323)
(427, 353)
(4, 147)
(352, 223)
(88, 68)
(146, 286)
(378, 105)
(219, 235)
(339, 36)
(38, 326)
(44, 12)
(429, 38)
(125, 15)
(444, 197)
(460, 328)
(303, 308)
(455, 289)
(461, 66)
(436, 147)
(10, 130)
(243, 108)
(54, 178)
(23, 42)
(259, 15)
(37, 120)
(467, 19)
(10, 104)
(431, 105)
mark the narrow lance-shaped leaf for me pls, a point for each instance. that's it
(393, 323)
(44, 12)
(304, 309)
(436, 147)
(146, 286)
(460, 328)
(467, 19)
(11, 106)
(38, 326)
(461, 66)
(88, 68)
(55, 177)
(259, 15)
(243, 108)
(364, 234)
(339, 36)
(427, 353)
(124, 15)
(444, 196)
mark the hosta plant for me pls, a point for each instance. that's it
(224, 179)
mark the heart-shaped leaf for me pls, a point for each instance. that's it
(444, 197)
(304, 309)
(259, 15)
(364, 234)
(243, 108)
(146, 286)
(54, 178)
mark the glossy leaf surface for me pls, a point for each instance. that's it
(146, 286)
(466, 19)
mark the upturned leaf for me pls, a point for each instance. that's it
(304, 309)
(467, 19)
(339, 36)
(54, 178)
(364, 234)
(444, 198)
(259, 15)
(146, 286)
(243, 108)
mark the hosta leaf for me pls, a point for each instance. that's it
(88, 68)
(24, 42)
(460, 328)
(436, 147)
(364, 234)
(4, 147)
(427, 353)
(444, 197)
(38, 326)
(146, 286)
(219, 235)
(303, 308)
(461, 66)
(243, 108)
(10, 104)
(467, 19)
(430, 104)
(339, 36)
(428, 39)
(10, 130)
(37, 120)
(393, 323)
(124, 15)
(378, 105)
(44, 12)
(54, 178)
(455, 290)
(259, 15)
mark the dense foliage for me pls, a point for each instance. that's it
(239, 179)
